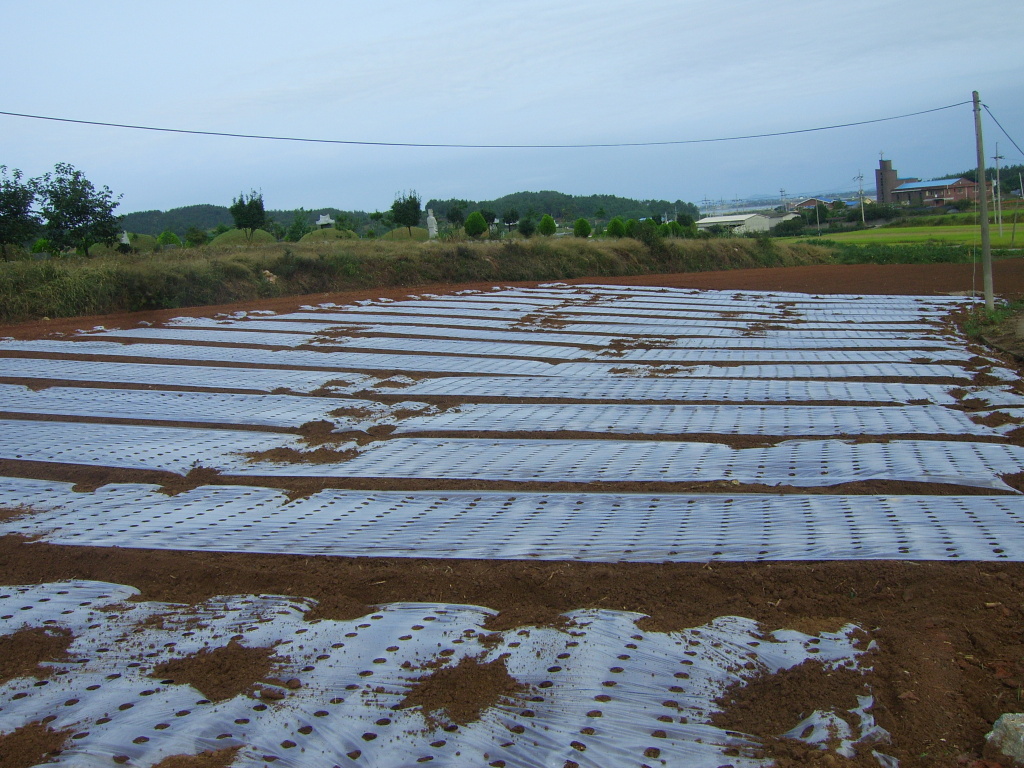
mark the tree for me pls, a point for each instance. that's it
(168, 238)
(509, 218)
(248, 213)
(300, 226)
(631, 225)
(599, 213)
(547, 226)
(406, 210)
(527, 226)
(581, 228)
(789, 228)
(194, 237)
(456, 214)
(476, 225)
(489, 216)
(18, 222)
(77, 214)
(616, 227)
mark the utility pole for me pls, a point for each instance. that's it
(998, 195)
(860, 195)
(986, 242)
(782, 194)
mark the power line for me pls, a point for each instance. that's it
(482, 146)
(1002, 129)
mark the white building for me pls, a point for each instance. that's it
(739, 224)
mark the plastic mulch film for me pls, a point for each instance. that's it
(598, 527)
(198, 407)
(294, 412)
(794, 462)
(596, 692)
(662, 388)
(191, 376)
(287, 358)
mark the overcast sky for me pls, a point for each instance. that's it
(516, 72)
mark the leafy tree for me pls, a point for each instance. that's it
(194, 237)
(220, 229)
(476, 225)
(581, 228)
(168, 238)
(599, 213)
(527, 226)
(631, 225)
(789, 228)
(547, 226)
(684, 220)
(647, 232)
(616, 228)
(489, 216)
(406, 210)
(248, 213)
(274, 227)
(18, 222)
(664, 230)
(77, 214)
(509, 218)
(300, 226)
(456, 215)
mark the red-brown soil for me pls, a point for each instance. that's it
(950, 655)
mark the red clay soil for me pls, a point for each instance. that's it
(883, 279)
(950, 656)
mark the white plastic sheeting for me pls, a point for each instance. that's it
(678, 420)
(599, 692)
(703, 390)
(287, 358)
(600, 527)
(289, 411)
(192, 376)
(794, 462)
(202, 407)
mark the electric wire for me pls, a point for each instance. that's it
(1007, 135)
(485, 146)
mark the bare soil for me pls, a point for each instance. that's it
(950, 635)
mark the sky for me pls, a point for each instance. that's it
(519, 72)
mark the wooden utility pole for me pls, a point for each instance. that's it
(986, 243)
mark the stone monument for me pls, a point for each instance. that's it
(325, 221)
(431, 224)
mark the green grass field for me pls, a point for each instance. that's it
(955, 235)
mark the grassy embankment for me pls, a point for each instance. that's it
(75, 286)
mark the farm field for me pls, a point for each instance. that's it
(748, 518)
(955, 235)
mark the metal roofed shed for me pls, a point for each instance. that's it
(739, 224)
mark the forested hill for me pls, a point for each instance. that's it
(209, 217)
(567, 207)
(558, 204)
(178, 220)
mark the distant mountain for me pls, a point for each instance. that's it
(567, 207)
(178, 220)
(558, 204)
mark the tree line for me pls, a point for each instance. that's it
(61, 210)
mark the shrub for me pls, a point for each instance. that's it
(547, 226)
(168, 238)
(616, 227)
(476, 224)
(526, 226)
(581, 228)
